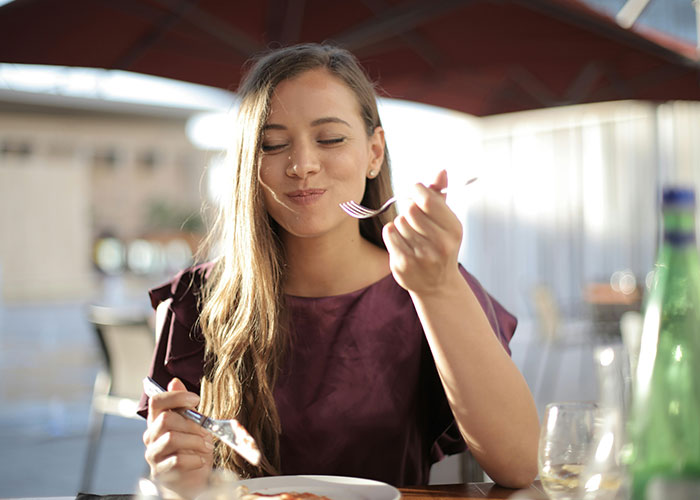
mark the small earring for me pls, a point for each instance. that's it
(372, 174)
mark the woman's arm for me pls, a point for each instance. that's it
(488, 396)
(178, 451)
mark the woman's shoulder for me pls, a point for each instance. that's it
(185, 286)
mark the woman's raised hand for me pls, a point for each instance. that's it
(424, 241)
(178, 451)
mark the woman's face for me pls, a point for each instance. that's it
(316, 154)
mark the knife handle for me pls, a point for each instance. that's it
(151, 388)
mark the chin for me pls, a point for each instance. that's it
(313, 225)
(304, 229)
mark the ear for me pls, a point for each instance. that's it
(376, 152)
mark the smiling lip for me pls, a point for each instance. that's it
(305, 196)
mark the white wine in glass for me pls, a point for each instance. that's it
(565, 447)
(561, 480)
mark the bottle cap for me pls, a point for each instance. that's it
(679, 196)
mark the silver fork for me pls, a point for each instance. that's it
(361, 212)
(230, 432)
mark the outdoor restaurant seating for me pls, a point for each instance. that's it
(554, 334)
(126, 341)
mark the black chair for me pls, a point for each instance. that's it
(471, 471)
(126, 341)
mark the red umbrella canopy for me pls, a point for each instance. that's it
(480, 57)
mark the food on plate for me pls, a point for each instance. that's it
(245, 494)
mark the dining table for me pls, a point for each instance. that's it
(472, 491)
(462, 491)
(607, 305)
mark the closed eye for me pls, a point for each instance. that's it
(331, 142)
(273, 148)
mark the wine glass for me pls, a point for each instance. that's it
(222, 484)
(605, 476)
(567, 441)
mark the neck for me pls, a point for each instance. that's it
(326, 265)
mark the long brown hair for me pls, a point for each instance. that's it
(242, 317)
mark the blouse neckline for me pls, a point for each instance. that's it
(348, 295)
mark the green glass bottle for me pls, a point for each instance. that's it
(665, 421)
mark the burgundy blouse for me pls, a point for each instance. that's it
(358, 395)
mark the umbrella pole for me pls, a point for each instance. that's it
(630, 12)
(696, 4)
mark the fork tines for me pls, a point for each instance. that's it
(357, 211)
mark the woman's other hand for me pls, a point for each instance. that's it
(424, 241)
(178, 451)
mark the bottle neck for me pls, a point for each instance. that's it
(679, 225)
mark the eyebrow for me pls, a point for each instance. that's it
(329, 119)
(315, 123)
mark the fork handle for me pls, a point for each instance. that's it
(445, 190)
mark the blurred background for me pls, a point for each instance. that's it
(572, 127)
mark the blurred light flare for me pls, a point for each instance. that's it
(594, 482)
(678, 353)
(650, 337)
(607, 356)
(418, 153)
(605, 447)
(110, 255)
(552, 419)
(623, 281)
(532, 178)
(127, 407)
(211, 131)
(145, 257)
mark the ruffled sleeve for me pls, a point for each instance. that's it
(179, 350)
(448, 439)
(502, 322)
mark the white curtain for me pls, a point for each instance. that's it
(568, 196)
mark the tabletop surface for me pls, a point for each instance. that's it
(468, 491)
(471, 491)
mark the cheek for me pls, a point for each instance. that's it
(349, 165)
(352, 172)
(272, 175)
(268, 180)
(266, 172)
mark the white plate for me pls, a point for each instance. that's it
(333, 487)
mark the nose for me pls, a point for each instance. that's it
(303, 161)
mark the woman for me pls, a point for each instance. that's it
(345, 347)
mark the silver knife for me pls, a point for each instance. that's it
(230, 432)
